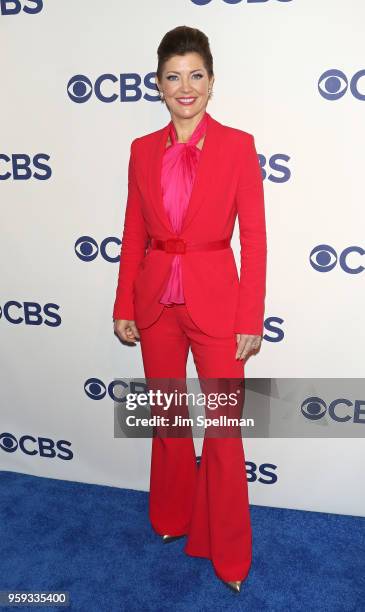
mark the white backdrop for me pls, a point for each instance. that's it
(63, 169)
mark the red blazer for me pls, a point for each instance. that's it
(228, 182)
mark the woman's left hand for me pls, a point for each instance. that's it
(246, 344)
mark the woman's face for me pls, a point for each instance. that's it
(185, 83)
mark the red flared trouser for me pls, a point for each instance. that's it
(210, 503)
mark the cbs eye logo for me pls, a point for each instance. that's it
(333, 84)
(40, 446)
(31, 313)
(315, 408)
(8, 442)
(127, 88)
(323, 258)
(96, 389)
(87, 248)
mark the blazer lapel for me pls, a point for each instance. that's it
(203, 176)
(155, 175)
(212, 142)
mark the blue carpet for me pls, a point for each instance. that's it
(97, 543)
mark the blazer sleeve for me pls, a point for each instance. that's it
(252, 227)
(133, 247)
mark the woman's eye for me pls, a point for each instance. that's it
(173, 77)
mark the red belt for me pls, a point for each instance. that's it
(178, 245)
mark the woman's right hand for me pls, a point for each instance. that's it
(126, 330)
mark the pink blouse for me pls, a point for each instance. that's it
(179, 167)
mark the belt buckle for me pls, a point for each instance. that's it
(175, 245)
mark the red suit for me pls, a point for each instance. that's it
(228, 181)
(209, 504)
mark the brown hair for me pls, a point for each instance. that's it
(183, 40)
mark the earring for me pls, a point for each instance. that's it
(161, 96)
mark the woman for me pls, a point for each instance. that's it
(178, 288)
